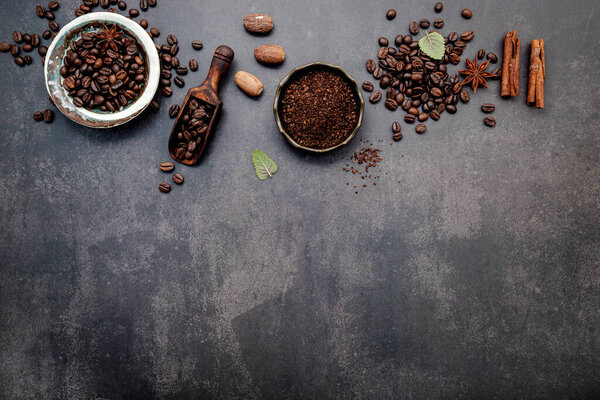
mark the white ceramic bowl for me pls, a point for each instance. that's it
(57, 50)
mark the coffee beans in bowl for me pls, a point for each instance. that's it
(318, 107)
(102, 70)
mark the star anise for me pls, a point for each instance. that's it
(110, 37)
(476, 74)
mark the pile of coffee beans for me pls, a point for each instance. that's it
(193, 129)
(104, 69)
(168, 166)
(319, 109)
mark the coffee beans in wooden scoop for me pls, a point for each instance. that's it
(192, 133)
(104, 69)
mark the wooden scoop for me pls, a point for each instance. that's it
(206, 98)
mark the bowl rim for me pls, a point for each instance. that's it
(298, 70)
(82, 115)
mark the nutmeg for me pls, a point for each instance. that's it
(258, 23)
(269, 54)
(248, 83)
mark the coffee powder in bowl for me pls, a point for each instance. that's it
(318, 107)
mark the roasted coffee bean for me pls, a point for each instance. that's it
(4, 47)
(383, 42)
(375, 97)
(164, 187)
(453, 37)
(410, 118)
(492, 57)
(42, 51)
(28, 60)
(451, 108)
(398, 40)
(53, 25)
(19, 61)
(39, 10)
(488, 108)
(48, 116)
(466, 13)
(193, 65)
(438, 23)
(390, 14)
(174, 49)
(420, 129)
(439, 6)
(460, 43)
(391, 104)
(367, 86)
(407, 39)
(490, 121)
(53, 5)
(424, 23)
(167, 166)
(49, 15)
(385, 82)
(467, 36)
(422, 117)
(46, 34)
(390, 93)
(143, 5)
(155, 31)
(179, 81)
(174, 62)
(17, 37)
(181, 70)
(413, 28)
(144, 23)
(122, 5)
(378, 73)
(155, 105)
(396, 131)
(481, 54)
(178, 178)
(465, 97)
(454, 58)
(434, 114)
(382, 53)
(79, 12)
(104, 3)
(371, 65)
(197, 45)
(27, 47)
(171, 39)
(152, 3)
(38, 116)
(167, 91)
(134, 13)
(174, 110)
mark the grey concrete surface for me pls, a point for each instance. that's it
(470, 271)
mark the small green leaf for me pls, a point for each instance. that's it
(264, 166)
(433, 45)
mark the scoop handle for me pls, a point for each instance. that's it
(218, 68)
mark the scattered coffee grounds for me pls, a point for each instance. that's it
(104, 69)
(193, 129)
(319, 109)
(364, 164)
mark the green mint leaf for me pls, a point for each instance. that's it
(433, 45)
(264, 166)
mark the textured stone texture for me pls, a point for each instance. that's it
(470, 271)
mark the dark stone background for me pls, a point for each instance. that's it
(470, 271)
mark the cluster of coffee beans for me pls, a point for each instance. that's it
(177, 178)
(489, 108)
(88, 6)
(47, 116)
(192, 132)
(104, 69)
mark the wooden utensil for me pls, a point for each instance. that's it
(205, 94)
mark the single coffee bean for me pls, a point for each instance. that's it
(143, 5)
(19, 61)
(122, 5)
(193, 65)
(38, 116)
(174, 110)
(439, 6)
(53, 5)
(104, 4)
(17, 37)
(179, 81)
(378, 73)
(413, 28)
(492, 57)
(375, 97)
(391, 104)
(434, 114)
(197, 45)
(174, 62)
(171, 39)
(155, 31)
(164, 187)
(144, 23)
(53, 25)
(49, 15)
(488, 108)
(134, 13)
(152, 3)
(42, 51)
(28, 60)
(424, 23)
(465, 97)
(167, 166)
(367, 86)
(39, 10)
(155, 105)
(489, 121)
(390, 93)
(467, 36)
(390, 14)
(453, 37)
(422, 117)
(48, 116)
(451, 108)
(438, 23)
(481, 54)
(167, 91)
(410, 118)
(27, 47)
(178, 178)
(383, 42)
(15, 50)
(420, 129)
(466, 13)
(371, 65)
(383, 53)
(181, 70)
(4, 47)
(174, 49)
(46, 34)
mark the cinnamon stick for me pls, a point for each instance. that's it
(537, 74)
(510, 65)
